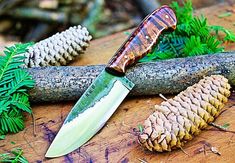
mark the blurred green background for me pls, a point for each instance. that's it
(34, 20)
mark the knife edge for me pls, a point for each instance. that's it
(92, 118)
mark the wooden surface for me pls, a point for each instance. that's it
(117, 141)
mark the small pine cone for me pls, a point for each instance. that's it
(58, 49)
(176, 120)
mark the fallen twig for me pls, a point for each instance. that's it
(184, 151)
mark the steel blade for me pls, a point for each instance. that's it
(90, 113)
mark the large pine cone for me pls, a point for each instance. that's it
(58, 49)
(176, 120)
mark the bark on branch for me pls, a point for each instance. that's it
(166, 77)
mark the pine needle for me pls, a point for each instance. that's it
(14, 83)
(2, 137)
(14, 156)
(193, 36)
(140, 127)
(225, 14)
(223, 127)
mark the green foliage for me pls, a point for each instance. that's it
(229, 36)
(198, 47)
(14, 156)
(11, 121)
(184, 13)
(14, 83)
(225, 126)
(193, 36)
(140, 127)
(225, 14)
(2, 137)
(199, 27)
(213, 45)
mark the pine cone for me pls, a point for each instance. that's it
(176, 120)
(58, 49)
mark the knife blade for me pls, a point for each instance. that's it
(109, 89)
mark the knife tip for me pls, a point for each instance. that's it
(54, 152)
(51, 154)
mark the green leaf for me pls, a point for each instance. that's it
(226, 125)
(193, 36)
(225, 14)
(21, 101)
(213, 45)
(229, 36)
(22, 79)
(194, 46)
(14, 156)
(140, 127)
(2, 137)
(14, 83)
(11, 121)
(199, 27)
(184, 14)
(5, 105)
(13, 142)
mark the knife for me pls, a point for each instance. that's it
(109, 89)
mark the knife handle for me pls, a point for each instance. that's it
(142, 40)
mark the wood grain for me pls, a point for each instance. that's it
(116, 142)
(142, 40)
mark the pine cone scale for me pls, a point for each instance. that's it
(59, 49)
(177, 120)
